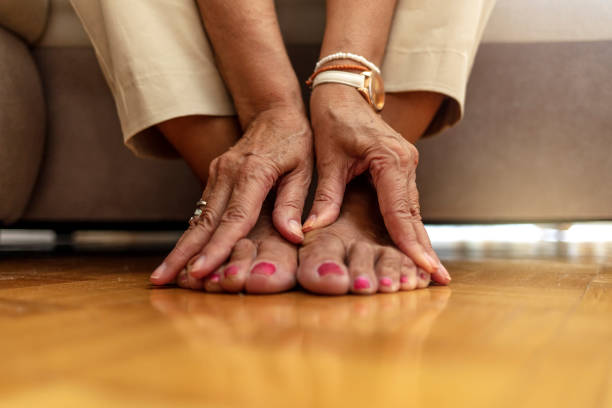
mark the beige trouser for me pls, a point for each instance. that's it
(159, 65)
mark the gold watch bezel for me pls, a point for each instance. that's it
(376, 100)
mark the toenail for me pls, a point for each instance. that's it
(404, 279)
(361, 283)
(422, 275)
(231, 271)
(264, 268)
(329, 268)
(386, 281)
(214, 278)
(183, 279)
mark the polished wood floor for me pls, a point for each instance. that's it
(516, 329)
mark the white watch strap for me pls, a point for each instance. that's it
(340, 77)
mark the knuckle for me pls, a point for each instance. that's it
(259, 170)
(393, 153)
(405, 209)
(207, 221)
(213, 168)
(324, 195)
(293, 204)
(235, 214)
(226, 162)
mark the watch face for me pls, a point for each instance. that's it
(377, 91)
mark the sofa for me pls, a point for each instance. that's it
(535, 144)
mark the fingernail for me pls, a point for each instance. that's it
(159, 271)
(404, 279)
(296, 228)
(309, 223)
(432, 262)
(361, 283)
(386, 281)
(231, 271)
(215, 278)
(198, 264)
(264, 268)
(329, 268)
(445, 272)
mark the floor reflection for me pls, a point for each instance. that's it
(289, 340)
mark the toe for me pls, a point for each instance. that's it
(423, 278)
(322, 269)
(185, 280)
(182, 279)
(274, 267)
(361, 268)
(234, 275)
(212, 282)
(387, 269)
(408, 274)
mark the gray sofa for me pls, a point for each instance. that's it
(535, 144)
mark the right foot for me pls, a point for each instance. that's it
(355, 253)
(264, 262)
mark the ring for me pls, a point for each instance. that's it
(200, 207)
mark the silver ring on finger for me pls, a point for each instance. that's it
(199, 210)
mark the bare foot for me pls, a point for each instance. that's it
(264, 262)
(355, 254)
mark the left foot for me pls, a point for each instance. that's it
(355, 253)
(264, 262)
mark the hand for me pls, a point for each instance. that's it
(350, 139)
(275, 150)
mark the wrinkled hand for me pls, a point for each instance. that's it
(350, 139)
(275, 150)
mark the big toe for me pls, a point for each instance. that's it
(274, 268)
(322, 269)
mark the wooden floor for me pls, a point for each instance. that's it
(518, 327)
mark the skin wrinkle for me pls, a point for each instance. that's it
(276, 149)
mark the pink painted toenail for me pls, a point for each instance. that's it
(214, 278)
(404, 279)
(422, 275)
(361, 283)
(328, 268)
(231, 271)
(264, 268)
(386, 281)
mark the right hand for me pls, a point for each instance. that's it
(351, 139)
(275, 150)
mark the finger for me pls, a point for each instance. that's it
(193, 240)
(328, 197)
(400, 210)
(290, 196)
(440, 275)
(255, 181)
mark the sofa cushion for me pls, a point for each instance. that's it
(63, 27)
(26, 18)
(22, 125)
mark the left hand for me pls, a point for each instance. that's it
(275, 151)
(350, 139)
